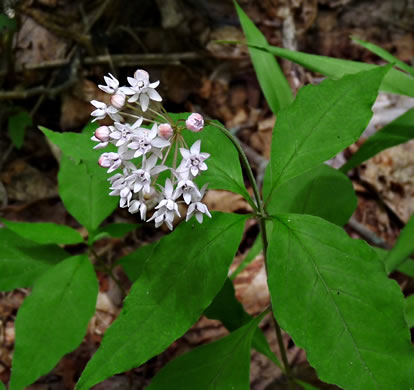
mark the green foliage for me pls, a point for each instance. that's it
(7, 24)
(168, 296)
(395, 133)
(84, 194)
(403, 248)
(322, 191)
(22, 261)
(335, 68)
(271, 78)
(409, 310)
(385, 55)
(332, 294)
(224, 364)
(17, 126)
(45, 232)
(114, 230)
(323, 120)
(53, 319)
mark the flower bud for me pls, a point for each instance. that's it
(195, 122)
(165, 131)
(102, 133)
(118, 100)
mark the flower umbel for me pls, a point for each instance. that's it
(146, 154)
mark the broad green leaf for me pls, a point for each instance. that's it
(179, 280)
(394, 81)
(403, 248)
(385, 55)
(115, 230)
(45, 232)
(17, 127)
(395, 133)
(53, 319)
(407, 268)
(272, 81)
(323, 120)
(409, 310)
(2, 387)
(23, 261)
(322, 191)
(85, 195)
(223, 364)
(134, 263)
(230, 312)
(332, 295)
(224, 171)
(253, 252)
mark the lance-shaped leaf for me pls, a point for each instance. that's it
(271, 78)
(224, 364)
(332, 295)
(180, 278)
(395, 133)
(53, 319)
(45, 232)
(322, 191)
(409, 310)
(84, 194)
(323, 120)
(23, 261)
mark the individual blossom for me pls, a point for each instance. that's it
(111, 160)
(195, 122)
(167, 209)
(138, 206)
(188, 189)
(124, 133)
(140, 179)
(111, 86)
(102, 110)
(118, 100)
(193, 161)
(197, 208)
(140, 88)
(165, 130)
(145, 141)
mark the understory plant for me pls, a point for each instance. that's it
(332, 294)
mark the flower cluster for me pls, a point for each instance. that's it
(143, 153)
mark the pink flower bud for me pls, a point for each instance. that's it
(165, 131)
(118, 100)
(195, 122)
(104, 161)
(102, 133)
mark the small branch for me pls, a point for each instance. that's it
(363, 231)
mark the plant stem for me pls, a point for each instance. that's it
(108, 270)
(261, 215)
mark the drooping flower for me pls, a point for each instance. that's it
(197, 208)
(110, 160)
(138, 205)
(188, 189)
(193, 161)
(102, 110)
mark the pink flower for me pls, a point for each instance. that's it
(195, 122)
(165, 131)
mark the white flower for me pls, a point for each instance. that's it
(137, 205)
(195, 122)
(193, 161)
(101, 144)
(102, 110)
(167, 208)
(123, 133)
(188, 189)
(142, 89)
(145, 140)
(110, 160)
(111, 86)
(140, 179)
(197, 208)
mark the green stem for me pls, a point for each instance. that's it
(261, 215)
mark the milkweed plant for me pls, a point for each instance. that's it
(330, 293)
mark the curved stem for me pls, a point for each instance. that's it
(262, 218)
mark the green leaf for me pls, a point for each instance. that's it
(395, 133)
(2, 386)
(17, 127)
(224, 171)
(312, 193)
(179, 280)
(409, 310)
(53, 319)
(23, 261)
(407, 268)
(403, 248)
(332, 295)
(114, 230)
(323, 120)
(45, 232)
(230, 312)
(272, 81)
(385, 55)
(251, 255)
(394, 81)
(224, 364)
(85, 195)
